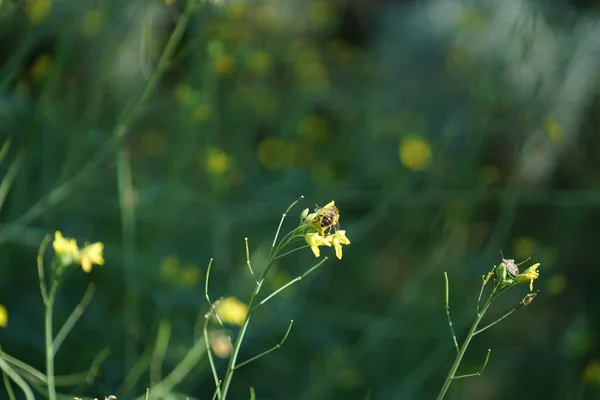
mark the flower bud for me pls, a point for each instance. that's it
(303, 214)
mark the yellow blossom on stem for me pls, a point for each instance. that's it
(338, 239)
(529, 275)
(65, 248)
(90, 255)
(315, 240)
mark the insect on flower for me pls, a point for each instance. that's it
(329, 217)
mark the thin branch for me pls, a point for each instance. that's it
(292, 251)
(160, 351)
(264, 353)
(478, 373)
(248, 258)
(252, 393)
(74, 317)
(290, 283)
(211, 360)
(281, 223)
(210, 303)
(16, 379)
(40, 265)
(478, 331)
(447, 307)
(7, 384)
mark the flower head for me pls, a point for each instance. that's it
(529, 275)
(338, 239)
(90, 255)
(314, 240)
(65, 248)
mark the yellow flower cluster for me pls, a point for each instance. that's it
(320, 223)
(68, 252)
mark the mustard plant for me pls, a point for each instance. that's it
(317, 229)
(505, 276)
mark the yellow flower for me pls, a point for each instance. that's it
(90, 255)
(529, 275)
(415, 153)
(3, 316)
(38, 10)
(553, 129)
(217, 161)
(338, 239)
(315, 240)
(65, 248)
(232, 311)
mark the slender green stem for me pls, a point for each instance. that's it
(7, 384)
(160, 351)
(264, 353)
(252, 393)
(74, 317)
(478, 373)
(40, 265)
(292, 251)
(50, 342)
(290, 283)
(211, 361)
(462, 350)
(16, 379)
(448, 312)
(478, 331)
(281, 223)
(248, 258)
(242, 332)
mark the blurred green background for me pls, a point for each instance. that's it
(446, 132)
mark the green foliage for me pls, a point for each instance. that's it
(170, 131)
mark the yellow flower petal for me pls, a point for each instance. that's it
(315, 240)
(528, 276)
(338, 239)
(90, 255)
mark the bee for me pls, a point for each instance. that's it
(329, 218)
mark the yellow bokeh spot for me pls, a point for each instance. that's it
(259, 62)
(38, 10)
(459, 58)
(557, 284)
(415, 153)
(591, 373)
(223, 64)
(236, 10)
(217, 161)
(273, 153)
(152, 143)
(553, 129)
(202, 112)
(191, 275)
(313, 128)
(523, 248)
(232, 311)
(471, 21)
(3, 316)
(40, 66)
(169, 267)
(92, 23)
(169, 2)
(184, 94)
